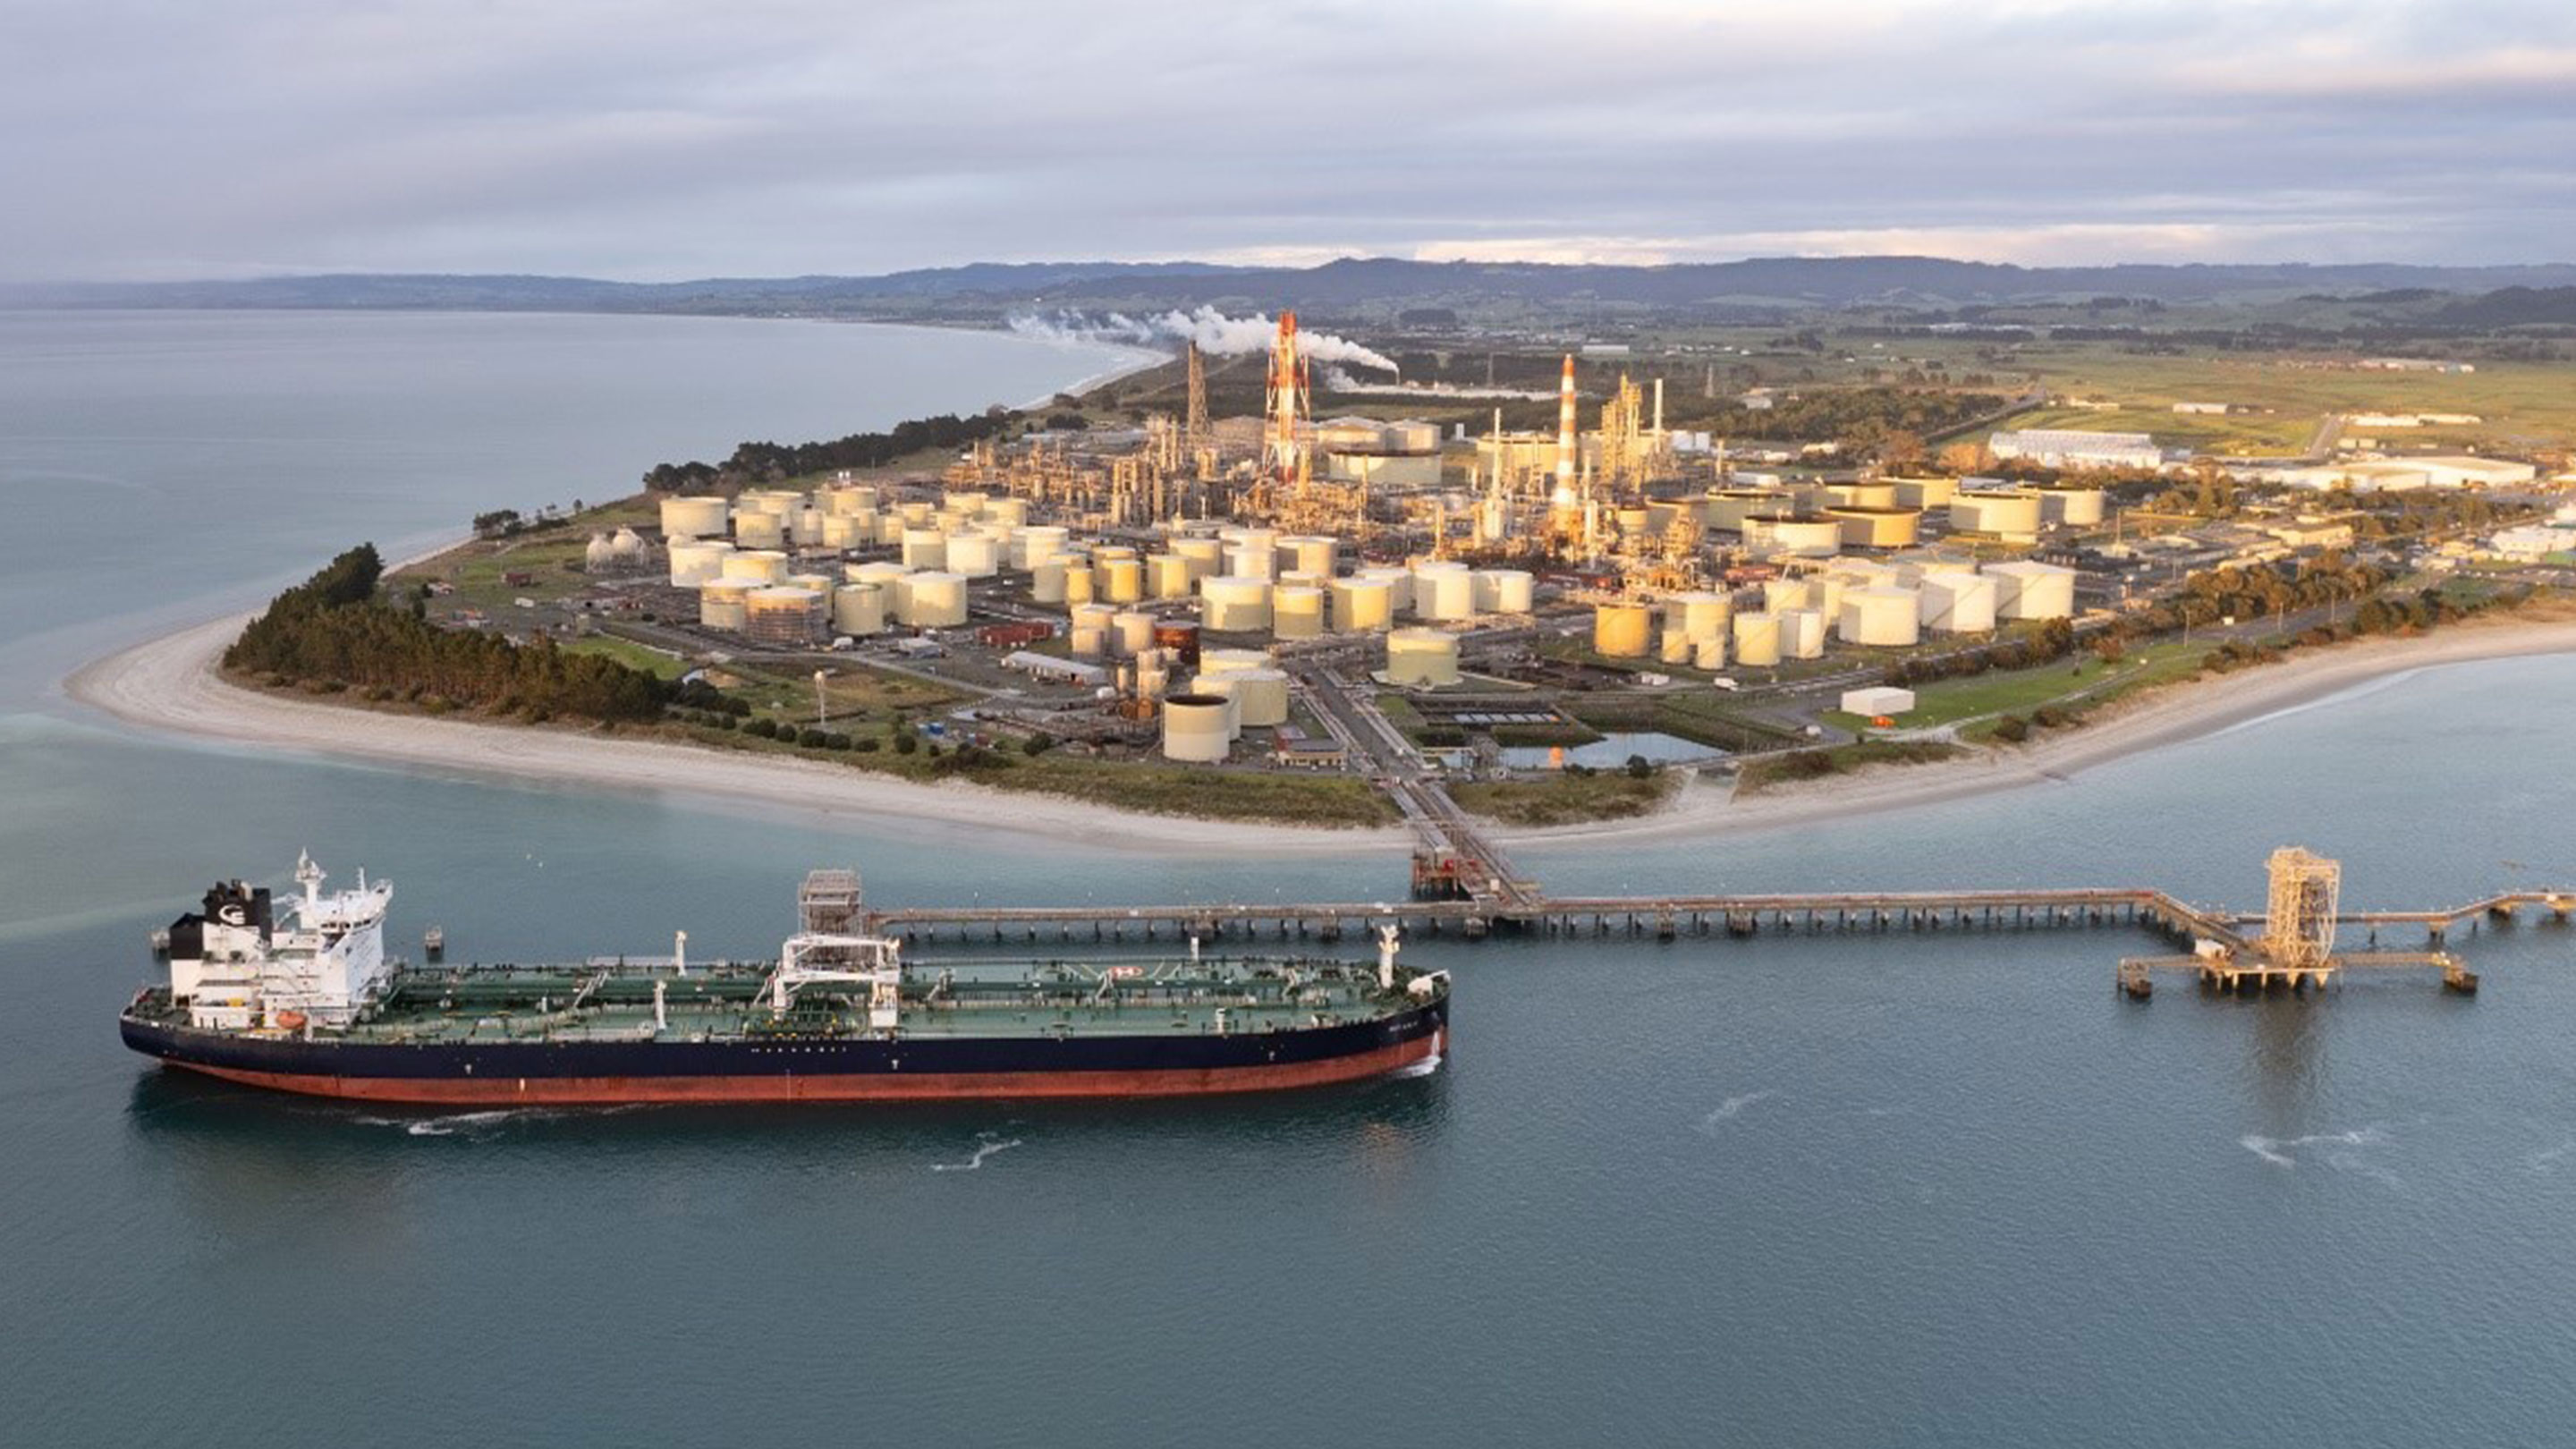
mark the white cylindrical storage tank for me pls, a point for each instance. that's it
(1005, 513)
(881, 572)
(858, 610)
(1399, 582)
(821, 584)
(1881, 617)
(925, 548)
(1825, 596)
(2073, 507)
(1877, 527)
(723, 603)
(1444, 592)
(1308, 553)
(1216, 663)
(695, 562)
(1034, 544)
(755, 565)
(935, 600)
(1779, 594)
(1622, 631)
(1360, 604)
(1802, 633)
(1804, 537)
(1081, 585)
(1297, 613)
(695, 517)
(1205, 556)
(842, 530)
(1925, 492)
(2033, 590)
(1505, 591)
(1046, 582)
(753, 530)
(782, 615)
(1674, 647)
(1131, 632)
(1120, 580)
(1260, 698)
(1709, 654)
(2009, 515)
(1195, 728)
(915, 514)
(1222, 687)
(1757, 640)
(806, 527)
(1167, 576)
(1422, 657)
(1234, 604)
(1087, 643)
(1699, 615)
(890, 529)
(975, 554)
(1958, 603)
(1251, 560)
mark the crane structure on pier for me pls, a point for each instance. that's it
(2299, 909)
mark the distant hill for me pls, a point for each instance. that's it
(1376, 288)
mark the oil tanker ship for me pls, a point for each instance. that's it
(300, 995)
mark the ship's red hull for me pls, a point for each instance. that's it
(856, 1087)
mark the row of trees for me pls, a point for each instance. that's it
(2049, 643)
(757, 464)
(331, 631)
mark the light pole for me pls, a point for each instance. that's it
(821, 714)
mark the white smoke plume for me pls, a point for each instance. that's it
(1214, 332)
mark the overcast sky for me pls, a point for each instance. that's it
(665, 139)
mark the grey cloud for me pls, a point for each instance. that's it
(656, 140)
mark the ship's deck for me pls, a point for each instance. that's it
(1014, 999)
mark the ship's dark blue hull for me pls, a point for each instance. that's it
(822, 1069)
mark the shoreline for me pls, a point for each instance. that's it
(171, 684)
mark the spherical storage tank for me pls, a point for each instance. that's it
(1423, 657)
(1622, 631)
(694, 517)
(1297, 613)
(858, 610)
(723, 603)
(1881, 617)
(1757, 640)
(1196, 729)
(1235, 604)
(2033, 590)
(1958, 603)
(934, 600)
(695, 562)
(1362, 604)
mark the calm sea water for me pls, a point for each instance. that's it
(1866, 1190)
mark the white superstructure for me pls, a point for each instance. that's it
(236, 969)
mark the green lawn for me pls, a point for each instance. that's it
(2019, 691)
(631, 654)
(1565, 799)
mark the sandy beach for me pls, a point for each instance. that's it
(170, 683)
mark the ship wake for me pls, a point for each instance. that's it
(988, 1144)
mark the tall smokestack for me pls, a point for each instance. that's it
(1565, 432)
(1659, 407)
